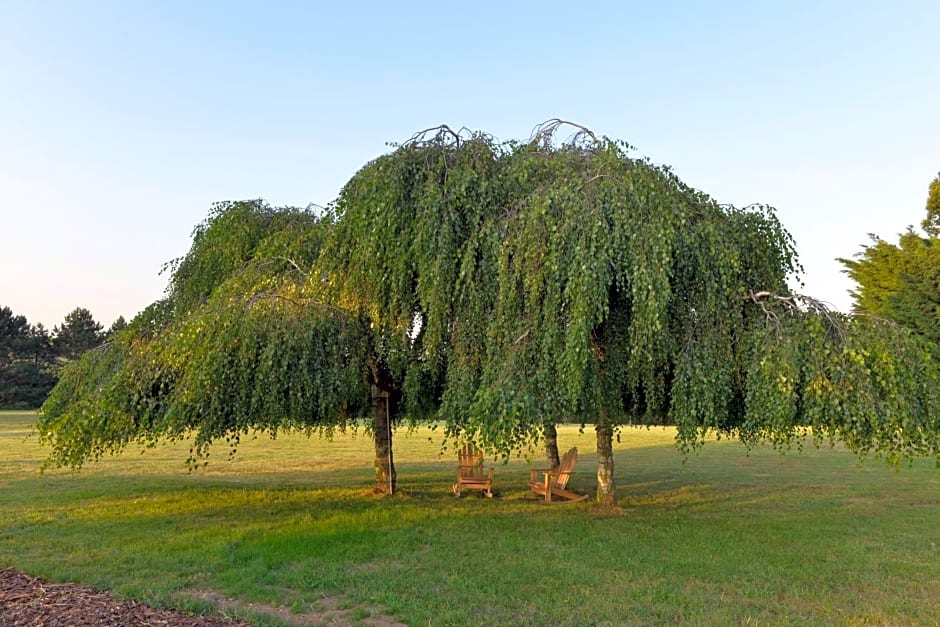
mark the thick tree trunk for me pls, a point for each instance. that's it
(606, 490)
(551, 445)
(385, 476)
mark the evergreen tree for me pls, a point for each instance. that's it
(118, 325)
(27, 362)
(931, 223)
(14, 331)
(901, 282)
(77, 334)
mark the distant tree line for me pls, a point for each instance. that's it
(31, 356)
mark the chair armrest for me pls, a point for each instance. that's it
(548, 472)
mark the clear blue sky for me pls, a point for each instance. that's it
(121, 122)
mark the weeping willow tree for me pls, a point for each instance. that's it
(502, 287)
(546, 280)
(241, 342)
(401, 225)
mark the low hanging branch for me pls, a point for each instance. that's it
(271, 260)
(258, 297)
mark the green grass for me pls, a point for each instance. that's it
(723, 538)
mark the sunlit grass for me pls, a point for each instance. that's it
(721, 538)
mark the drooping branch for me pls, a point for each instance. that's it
(269, 261)
(440, 135)
(296, 301)
(795, 304)
(582, 138)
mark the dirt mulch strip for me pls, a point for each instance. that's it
(31, 602)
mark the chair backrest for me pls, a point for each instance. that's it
(469, 461)
(566, 467)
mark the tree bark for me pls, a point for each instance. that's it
(385, 475)
(606, 490)
(551, 445)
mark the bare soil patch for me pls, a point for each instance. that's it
(326, 611)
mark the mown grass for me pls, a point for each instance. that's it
(724, 538)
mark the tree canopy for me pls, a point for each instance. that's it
(499, 287)
(901, 282)
(931, 223)
(237, 344)
(78, 333)
(30, 357)
(27, 362)
(563, 280)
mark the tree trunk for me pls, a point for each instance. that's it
(385, 476)
(551, 445)
(606, 490)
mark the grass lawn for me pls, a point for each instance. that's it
(724, 538)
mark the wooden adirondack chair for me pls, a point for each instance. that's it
(555, 482)
(470, 472)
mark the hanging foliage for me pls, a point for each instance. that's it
(547, 279)
(863, 381)
(501, 287)
(240, 343)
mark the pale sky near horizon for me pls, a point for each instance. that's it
(122, 122)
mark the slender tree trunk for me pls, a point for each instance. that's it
(385, 476)
(606, 490)
(551, 445)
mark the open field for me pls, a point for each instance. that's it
(724, 538)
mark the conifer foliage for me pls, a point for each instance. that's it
(901, 282)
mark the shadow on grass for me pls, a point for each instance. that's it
(719, 538)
